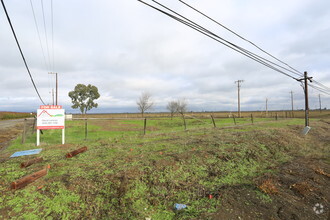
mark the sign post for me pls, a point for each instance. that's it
(50, 117)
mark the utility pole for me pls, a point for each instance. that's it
(291, 101)
(320, 102)
(53, 95)
(305, 86)
(266, 107)
(56, 86)
(239, 102)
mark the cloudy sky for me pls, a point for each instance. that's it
(125, 48)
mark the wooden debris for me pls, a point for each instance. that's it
(75, 152)
(30, 162)
(18, 184)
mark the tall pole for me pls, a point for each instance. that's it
(266, 107)
(239, 102)
(56, 87)
(291, 101)
(53, 95)
(320, 102)
(306, 100)
(306, 96)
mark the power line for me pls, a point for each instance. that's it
(195, 25)
(321, 85)
(38, 32)
(44, 21)
(296, 71)
(320, 89)
(19, 47)
(52, 21)
(215, 37)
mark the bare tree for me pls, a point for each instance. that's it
(172, 106)
(144, 103)
(182, 106)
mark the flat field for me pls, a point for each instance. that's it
(265, 170)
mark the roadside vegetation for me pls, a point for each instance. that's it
(127, 175)
(14, 115)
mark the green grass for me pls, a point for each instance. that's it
(126, 175)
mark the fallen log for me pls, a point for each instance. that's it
(18, 184)
(75, 152)
(30, 162)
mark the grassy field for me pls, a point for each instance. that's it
(13, 115)
(127, 175)
(245, 114)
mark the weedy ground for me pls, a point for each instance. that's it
(263, 171)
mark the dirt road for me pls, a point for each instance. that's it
(10, 129)
(10, 123)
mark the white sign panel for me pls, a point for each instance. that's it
(50, 118)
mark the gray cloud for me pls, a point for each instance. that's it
(125, 48)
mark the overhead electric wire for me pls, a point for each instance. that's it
(208, 33)
(297, 72)
(38, 32)
(44, 21)
(19, 47)
(52, 21)
(228, 42)
(321, 85)
(320, 89)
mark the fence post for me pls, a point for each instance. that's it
(234, 119)
(276, 116)
(184, 122)
(252, 118)
(24, 131)
(86, 130)
(34, 125)
(145, 126)
(213, 121)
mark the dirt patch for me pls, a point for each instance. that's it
(298, 191)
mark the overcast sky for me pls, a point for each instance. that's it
(124, 48)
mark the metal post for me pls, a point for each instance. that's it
(63, 135)
(38, 137)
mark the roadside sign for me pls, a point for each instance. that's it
(50, 117)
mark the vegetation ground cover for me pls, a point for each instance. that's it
(128, 175)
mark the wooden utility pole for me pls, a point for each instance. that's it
(305, 86)
(266, 107)
(291, 102)
(56, 86)
(320, 102)
(53, 96)
(238, 91)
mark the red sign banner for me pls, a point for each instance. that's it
(50, 106)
